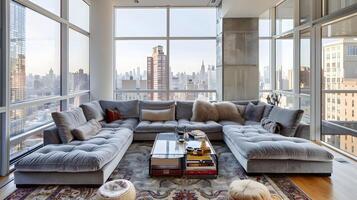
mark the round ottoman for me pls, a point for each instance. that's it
(248, 190)
(117, 190)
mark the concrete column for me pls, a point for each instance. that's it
(101, 49)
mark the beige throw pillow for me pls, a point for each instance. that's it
(87, 130)
(158, 115)
(228, 111)
(203, 111)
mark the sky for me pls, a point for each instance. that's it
(42, 40)
(185, 55)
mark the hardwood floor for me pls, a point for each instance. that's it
(342, 185)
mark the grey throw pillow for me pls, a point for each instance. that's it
(267, 109)
(67, 121)
(87, 130)
(93, 110)
(253, 112)
(288, 119)
(271, 126)
(184, 109)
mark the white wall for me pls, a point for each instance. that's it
(101, 49)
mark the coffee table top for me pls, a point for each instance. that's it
(167, 146)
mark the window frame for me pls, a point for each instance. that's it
(167, 39)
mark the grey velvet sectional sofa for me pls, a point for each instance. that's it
(90, 162)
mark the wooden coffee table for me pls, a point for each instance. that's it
(169, 158)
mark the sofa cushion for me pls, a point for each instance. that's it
(267, 109)
(77, 156)
(228, 111)
(208, 126)
(254, 112)
(288, 119)
(127, 109)
(225, 123)
(245, 102)
(251, 123)
(204, 111)
(87, 130)
(67, 121)
(158, 115)
(129, 123)
(93, 110)
(254, 142)
(184, 109)
(156, 127)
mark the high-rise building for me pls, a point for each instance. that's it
(157, 71)
(339, 74)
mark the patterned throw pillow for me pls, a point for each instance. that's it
(112, 115)
(271, 126)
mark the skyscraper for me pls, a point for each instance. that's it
(157, 71)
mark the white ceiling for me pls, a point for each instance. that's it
(230, 8)
(246, 8)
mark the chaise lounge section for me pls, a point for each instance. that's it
(92, 160)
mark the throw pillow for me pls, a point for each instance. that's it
(267, 109)
(112, 115)
(87, 130)
(241, 109)
(203, 111)
(67, 121)
(228, 111)
(253, 112)
(271, 126)
(93, 110)
(158, 115)
(288, 119)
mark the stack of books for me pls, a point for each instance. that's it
(200, 165)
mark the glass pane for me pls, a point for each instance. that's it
(140, 22)
(78, 61)
(79, 14)
(284, 63)
(265, 24)
(339, 83)
(305, 106)
(78, 100)
(305, 11)
(209, 96)
(27, 144)
(53, 6)
(194, 69)
(287, 101)
(335, 5)
(34, 55)
(285, 16)
(26, 119)
(141, 65)
(264, 65)
(305, 39)
(193, 22)
(121, 95)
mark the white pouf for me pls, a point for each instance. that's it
(117, 190)
(248, 190)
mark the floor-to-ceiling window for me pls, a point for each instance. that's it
(165, 53)
(316, 51)
(47, 71)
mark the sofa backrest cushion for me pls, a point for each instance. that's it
(158, 115)
(227, 111)
(155, 105)
(204, 111)
(93, 110)
(288, 119)
(254, 112)
(67, 121)
(127, 109)
(184, 109)
(87, 130)
(267, 109)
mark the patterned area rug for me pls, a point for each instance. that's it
(134, 167)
